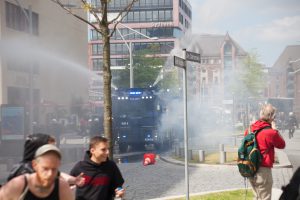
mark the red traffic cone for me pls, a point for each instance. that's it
(149, 159)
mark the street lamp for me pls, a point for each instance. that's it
(129, 46)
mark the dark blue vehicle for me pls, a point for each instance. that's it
(136, 118)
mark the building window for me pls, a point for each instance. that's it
(227, 49)
(216, 80)
(97, 49)
(155, 15)
(16, 19)
(95, 35)
(165, 15)
(97, 65)
(180, 18)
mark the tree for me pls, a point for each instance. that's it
(147, 66)
(100, 14)
(170, 80)
(250, 78)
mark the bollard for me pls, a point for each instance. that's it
(190, 155)
(177, 151)
(63, 140)
(181, 152)
(201, 155)
(222, 157)
(235, 140)
(221, 147)
(86, 141)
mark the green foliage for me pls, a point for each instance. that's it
(249, 78)
(146, 68)
(170, 80)
(227, 195)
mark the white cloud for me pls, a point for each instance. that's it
(276, 31)
(287, 28)
(207, 14)
(267, 25)
(211, 16)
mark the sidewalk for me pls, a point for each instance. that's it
(282, 173)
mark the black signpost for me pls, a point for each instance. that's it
(194, 57)
(179, 62)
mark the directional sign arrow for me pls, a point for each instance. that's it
(194, 57)
(179, 62)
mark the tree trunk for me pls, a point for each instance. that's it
(107, 105)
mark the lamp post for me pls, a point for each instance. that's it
(30, 73)
(129, 46)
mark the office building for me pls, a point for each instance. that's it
(164, 20)
(43, 59)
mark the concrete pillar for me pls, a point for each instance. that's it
(201, 155)
(234, 140)
(222, 157)
(63, 140)
(177, 151)
(221, 147)
(190, 154)
(181, 152)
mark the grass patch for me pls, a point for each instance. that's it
(228, 195)
(214, 158)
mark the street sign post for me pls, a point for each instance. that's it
(179, 62)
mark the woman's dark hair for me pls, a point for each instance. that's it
(33, 142)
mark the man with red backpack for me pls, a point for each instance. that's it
(267, 139)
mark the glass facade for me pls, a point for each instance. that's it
(152, 18)
(138, 16)
(163, 32)
(185, 8)
(122, 49)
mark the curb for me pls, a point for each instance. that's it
(281, 155)
(283, 159)
(275, 194)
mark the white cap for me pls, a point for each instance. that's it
(47, 148)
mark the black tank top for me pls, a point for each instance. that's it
(54, 195)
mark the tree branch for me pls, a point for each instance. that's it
(115, 21)
(77, 16)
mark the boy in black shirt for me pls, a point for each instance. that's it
(102, 176)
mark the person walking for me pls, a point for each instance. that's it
(44, 183)
(292, 123)
(32, 143)
(103, 179)
(267, 139)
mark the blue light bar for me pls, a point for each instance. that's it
(135, 92)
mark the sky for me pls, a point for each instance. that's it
(262, 26)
